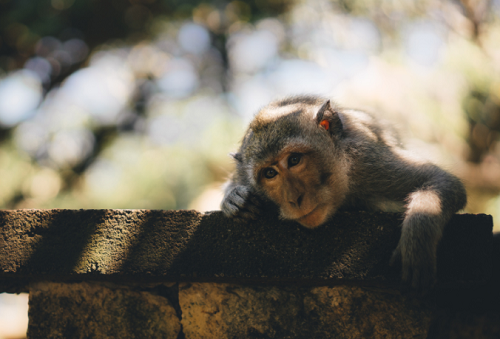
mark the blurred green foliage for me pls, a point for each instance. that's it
(140, 101)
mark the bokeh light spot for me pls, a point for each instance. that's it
(194, 38)
(20, 94)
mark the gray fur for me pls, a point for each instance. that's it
(379, 173)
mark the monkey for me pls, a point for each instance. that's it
(310, 158)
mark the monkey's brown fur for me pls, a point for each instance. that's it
(312, 158)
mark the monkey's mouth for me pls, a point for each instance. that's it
(315, 217)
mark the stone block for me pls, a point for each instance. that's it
(84, 310)
(235, 311)
(160, 246)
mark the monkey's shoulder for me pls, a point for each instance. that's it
(367, 127)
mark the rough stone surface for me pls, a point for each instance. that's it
(233, 311)
(267, 279)
(83, 310)
(152, 245)
(354, 312)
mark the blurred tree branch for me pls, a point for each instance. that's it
(476, 11)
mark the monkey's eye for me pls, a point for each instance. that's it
(270, 173)
(294, 159)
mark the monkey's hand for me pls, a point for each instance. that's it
(241, 203)
(416, 251)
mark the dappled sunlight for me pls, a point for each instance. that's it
(107, 246)
(140, 109)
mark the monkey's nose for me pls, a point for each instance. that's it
(297, 202)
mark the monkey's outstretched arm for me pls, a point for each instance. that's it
(432, 196)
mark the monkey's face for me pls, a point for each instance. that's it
(291, 153)
(298, 182)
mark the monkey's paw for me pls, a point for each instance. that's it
(418, 267)
(241, 204)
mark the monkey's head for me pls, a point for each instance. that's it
(292, 155)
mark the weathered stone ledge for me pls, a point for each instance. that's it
(182, 274)
(160, 246)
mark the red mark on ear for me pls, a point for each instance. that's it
(325, 124)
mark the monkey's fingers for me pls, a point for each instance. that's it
(396, 257)
(410, 277)
(241, 214)
(247, 215)
(234, 201)
(407, 273)
(241, 220)
(249, 212)
(407, 278)
(229, 208)
(254, 200)
(252, 208)
(238, 197)
(418, 277)
(423, 278)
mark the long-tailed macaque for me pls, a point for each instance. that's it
(312, 158)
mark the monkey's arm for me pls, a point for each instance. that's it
(432, 196)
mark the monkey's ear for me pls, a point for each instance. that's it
(328, 118)
(237, 156)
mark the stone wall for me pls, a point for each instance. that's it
(182, 274)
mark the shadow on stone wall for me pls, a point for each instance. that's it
(182, 274)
